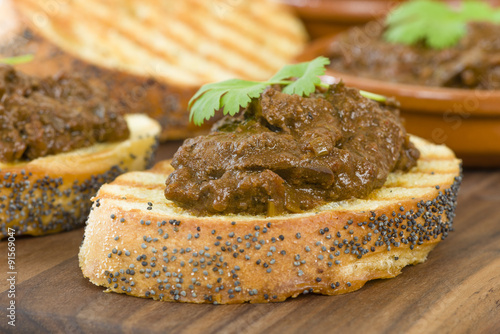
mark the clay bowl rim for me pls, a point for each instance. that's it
(346, 11)
(342, 10)
(435, 100)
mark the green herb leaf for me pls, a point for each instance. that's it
(17, 60)
(477, 11)
(435, 23)
(307, 75)
(450, 34)
(231, 95)
(496, 17)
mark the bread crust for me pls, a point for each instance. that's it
(145, 246)
(52, 194)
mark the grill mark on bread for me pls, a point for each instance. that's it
(153, 64)
(150, 178)
(397, 193)
(124, 61)
(232, 45)
(230, 54)
(127, 31)
(259, 15)
(229, 46)
(417, 179)
(433, 166)
(251, 27)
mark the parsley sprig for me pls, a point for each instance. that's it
(17, 59)
(233, 94)
(435, 23)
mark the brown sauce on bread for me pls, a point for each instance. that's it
(287, 154)
(473, 63)
(45, 116)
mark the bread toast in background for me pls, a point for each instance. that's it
(137, 242)
(154, 55)
(52, 194)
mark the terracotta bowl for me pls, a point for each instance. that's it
(468, 121)
(325, 17)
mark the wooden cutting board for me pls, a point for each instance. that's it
(456, 291)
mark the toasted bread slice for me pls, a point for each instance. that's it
(52, 194)
(137, 242)
(154, 55)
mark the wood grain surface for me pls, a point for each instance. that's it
(456, 291)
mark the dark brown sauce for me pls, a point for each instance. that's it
(473, 63)
(40, 117)
(287, 154)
